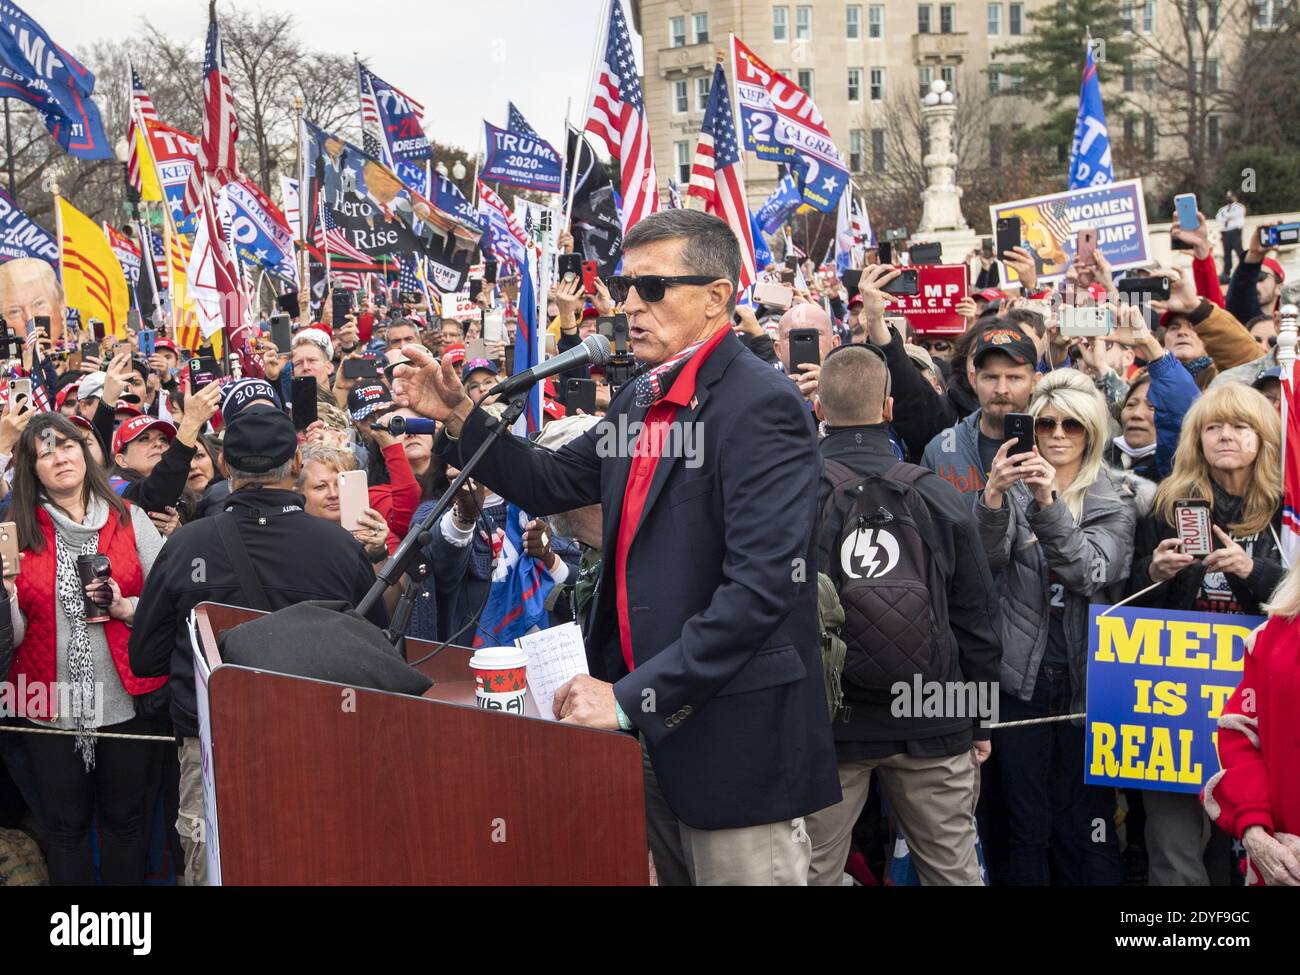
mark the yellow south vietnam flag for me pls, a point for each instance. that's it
(150, 188)
(92, 278)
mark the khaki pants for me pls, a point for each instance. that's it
(773, 854)
(933, 800)
(189, 819)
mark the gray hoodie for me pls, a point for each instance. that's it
(954, 454)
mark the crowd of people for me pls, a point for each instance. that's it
(682, 578)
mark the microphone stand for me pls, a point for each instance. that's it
(405, 560)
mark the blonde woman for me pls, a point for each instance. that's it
(318, 481)
(1057, 525)
(1229, 454)
(1256, 797)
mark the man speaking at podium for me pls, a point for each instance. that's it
(702, 636)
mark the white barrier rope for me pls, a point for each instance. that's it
(92, 734)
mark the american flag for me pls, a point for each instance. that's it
(716, 178)
(159, 251)
(141, 106)
(220, 126)
(617, 115)
(372, 132)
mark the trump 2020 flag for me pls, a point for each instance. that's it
(781, 124)
(37, 71)
(1090, 153)
(518, 156)
(516, 602)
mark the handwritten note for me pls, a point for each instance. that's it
(554, 656)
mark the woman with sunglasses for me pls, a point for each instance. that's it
(1057, 525)
(1229, 455)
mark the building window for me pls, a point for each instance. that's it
(702, 86)
(1130, 130)
(1264, 15)
(878, 150)
(1126, 15)
(1148, 75)
(804, 79)
(877, 84)
(1130, 83)
(680, 102)
(995, 145)
(995, 19)
(947, 14)
(677, 32)
(925, 75)
(853, 22)
(780, 23)
(1149, 16)
(857, 149)
(876, 21)
(1212, 131)
(1149, 135)
(1212, 74)
(701, 24)
(995, 80)
(683, 163)
(949, 76)
(923, 12)
(1015, 19)
(1212, 14)
(855, 84)
(803, 23)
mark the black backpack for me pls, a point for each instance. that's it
(891, 582)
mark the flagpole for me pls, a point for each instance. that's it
(602, 41)
(9, 149)
(564, 156)
(304, 280)
(735, 100)
(578, 142)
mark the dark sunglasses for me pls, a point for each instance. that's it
(1046, 425)
(938, 346)
(650, 287)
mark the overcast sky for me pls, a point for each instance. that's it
(463, 59)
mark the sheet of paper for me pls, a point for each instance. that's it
(554, 656)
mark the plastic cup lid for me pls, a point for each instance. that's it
(498, 658)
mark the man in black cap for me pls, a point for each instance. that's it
(1005, 362)
(293, 556)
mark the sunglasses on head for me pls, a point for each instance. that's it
(650, 287)
(1046, 425)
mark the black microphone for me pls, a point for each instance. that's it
(414, 425)
(594, 349)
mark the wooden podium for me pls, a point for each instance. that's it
(317, 783)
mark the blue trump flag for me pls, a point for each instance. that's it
(21, 236)
(517, 600)
(762, 253)
(1090, 153)
(39, 72)
(778, 207)
(528, 348)
(518, 156)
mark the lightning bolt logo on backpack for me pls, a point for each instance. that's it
(864, 547)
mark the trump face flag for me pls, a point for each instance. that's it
(1090, 153)
(781, 124)
(716, 178)
(780, 206)
(617, 115)
(39, 72)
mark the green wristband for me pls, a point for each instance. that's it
(623, 723)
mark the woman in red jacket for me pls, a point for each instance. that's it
(73, 674)
(1256, 797)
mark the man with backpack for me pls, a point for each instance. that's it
(901, 547)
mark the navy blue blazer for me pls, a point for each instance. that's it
(721, 577)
